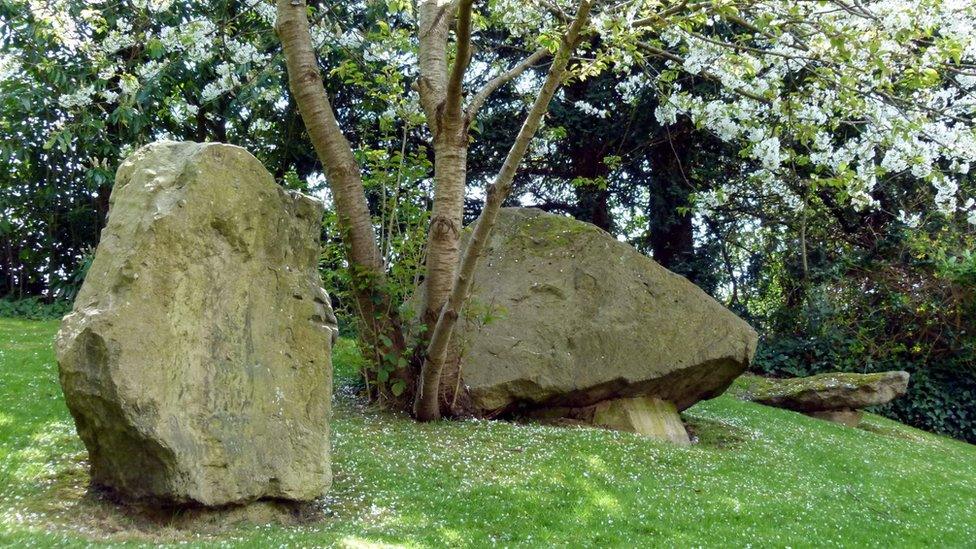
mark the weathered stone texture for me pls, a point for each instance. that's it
(647, 416)
(837, 396)
(583, 318)
(851, 418)
(833, 391)
(196, 361)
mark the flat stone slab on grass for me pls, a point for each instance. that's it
(196, 361)
(837, 397)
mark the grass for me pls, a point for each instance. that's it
(760, 476)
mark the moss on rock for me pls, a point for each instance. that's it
(196, 359)
(825, 392)
(590, 319)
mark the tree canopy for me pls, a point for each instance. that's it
(806, 162)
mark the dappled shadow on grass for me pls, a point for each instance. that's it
(50, 495)
(44, 492)
(889, 431)
(758, 475)
(477, 483)
(705, 432)
(713, 433)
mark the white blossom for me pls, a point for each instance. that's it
(910, 220)
(591, 110)
(768, 153)
(79, 98)
(109, 95)
(129, 84)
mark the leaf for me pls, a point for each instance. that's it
(398, 387)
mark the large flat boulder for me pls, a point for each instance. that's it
(196, 361)
(581, 318)
(836, 396)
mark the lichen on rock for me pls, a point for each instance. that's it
(834, 396)
(581, 318)
(196, 361)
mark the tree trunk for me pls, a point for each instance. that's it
(443, 244)
(671, 233)
(426, 405)
(586, 160)
(379, 322)
(440, 96)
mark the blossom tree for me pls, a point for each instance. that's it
(440, 86)
(827, 95)
(825, 98)
(818, 88)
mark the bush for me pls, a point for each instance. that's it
(913, 314)
(34, 308)
(941, 397)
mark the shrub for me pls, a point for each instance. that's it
(913, 313)
(34, 308)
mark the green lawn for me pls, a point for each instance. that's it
(760, 476)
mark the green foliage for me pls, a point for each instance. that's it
(675, 192)
(57, 173)
(57, 168)
(913, 312)
(395, 178)
(33, 308)
(752, 480)
(348, 365)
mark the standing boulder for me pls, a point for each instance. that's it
(579, 318)
(196, 361)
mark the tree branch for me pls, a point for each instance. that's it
(433, 30)
(453, 99)
(495, 83)
(664, 54)
(661, 19)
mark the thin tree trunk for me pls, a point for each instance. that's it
(803, 241)
(443, 244)
(380, 326)
(670, 234)
(426, 405)
(441, 95)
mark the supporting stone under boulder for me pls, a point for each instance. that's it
(837, 397)
(196, 361)
(645, 415)
(582, 319)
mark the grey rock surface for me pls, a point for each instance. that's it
(196, 361)
(580, 318)
(831, 391)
